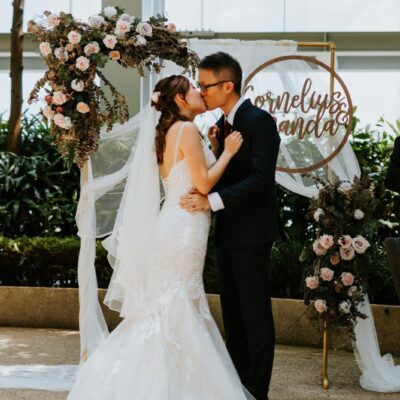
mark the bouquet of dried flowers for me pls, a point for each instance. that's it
(75, 51)
(334, 286)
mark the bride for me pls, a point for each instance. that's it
(168, 345)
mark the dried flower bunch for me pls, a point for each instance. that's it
(333, 286)
(75, 52)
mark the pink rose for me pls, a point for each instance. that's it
(318, 249)
(74, 37)
(62, 121)
(312, 282)
(320, 306)
(45, 48)
(123, 26)
(53, 20)
(82, 107)
(59, 98)
(48, 112)
(347, 278)
(171, 27)
(347, 254)
(91, 48)
(110, 41)
(360, 244)
(326, 241)
(345, 241)
(82, 63)
(326, 274)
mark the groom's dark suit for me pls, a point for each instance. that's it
(245, 231)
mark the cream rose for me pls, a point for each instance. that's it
(144, 29)
(53, 20)
(320, 306)
(110, 41)
(312, 282)
(45, 48)
(345, 241)
(77, 85)
(360, 244)
(82, 63)
(319, 212)
(344, 307)
(127, 18)
(82, 107)
(347, 278)
(61, 53)
(326, 241)
(318, 249)
(140, 40)
(347, 254)
(96, 21)
(345, 187)
(110, 12)
(326, 274)
(74, 37)
(59, 98)
(91, 48)
(358, 214)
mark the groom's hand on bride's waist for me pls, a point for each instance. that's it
(194, 201)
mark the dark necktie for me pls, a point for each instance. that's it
(227, 128)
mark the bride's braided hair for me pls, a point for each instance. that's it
(167, 88)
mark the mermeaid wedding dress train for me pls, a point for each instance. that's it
(174, 352)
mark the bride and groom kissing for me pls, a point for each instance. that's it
(172, 349)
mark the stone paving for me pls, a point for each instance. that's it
(296, 373)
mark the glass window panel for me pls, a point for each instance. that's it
(286, 15)
(35, 8)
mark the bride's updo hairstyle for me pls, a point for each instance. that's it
(163, 100)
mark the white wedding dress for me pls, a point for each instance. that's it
(174, 352)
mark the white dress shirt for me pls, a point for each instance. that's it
(214, 198)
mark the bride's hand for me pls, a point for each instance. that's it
(213, 132)
(233, 143)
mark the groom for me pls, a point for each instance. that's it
(247, 221)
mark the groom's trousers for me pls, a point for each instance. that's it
(247, 313)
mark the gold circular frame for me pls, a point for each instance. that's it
(339, 79)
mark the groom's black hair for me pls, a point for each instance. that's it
(223, 64)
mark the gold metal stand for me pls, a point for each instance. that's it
(324, 372)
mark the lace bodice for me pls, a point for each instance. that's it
(182, 236)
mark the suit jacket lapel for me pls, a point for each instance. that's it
(239, 112)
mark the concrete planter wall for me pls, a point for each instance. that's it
(59, 308)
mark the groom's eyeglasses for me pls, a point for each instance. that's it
(204, 88)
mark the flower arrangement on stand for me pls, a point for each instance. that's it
(334, 286)
(75, 51)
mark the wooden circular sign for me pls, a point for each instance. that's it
(304, 115)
